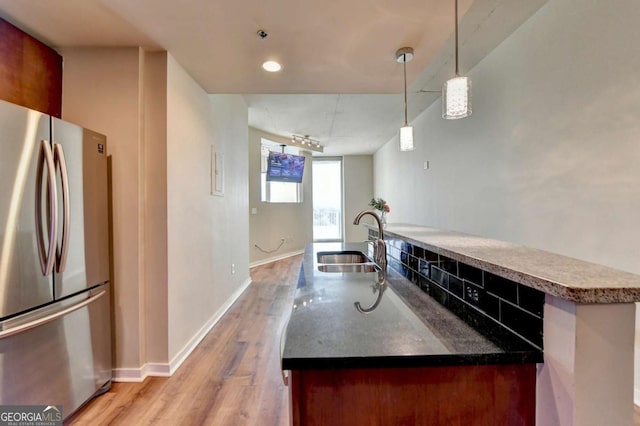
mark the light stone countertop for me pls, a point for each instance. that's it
(558, 275)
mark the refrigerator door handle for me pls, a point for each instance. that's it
(52, 317)
(47, 256)
(61, 252)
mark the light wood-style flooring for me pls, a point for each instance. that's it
(233, 376)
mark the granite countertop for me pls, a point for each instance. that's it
(407, 329)
(561, 276)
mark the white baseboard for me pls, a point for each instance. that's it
(128, 374)
(139, 374)
(276, 258)
(167, 369)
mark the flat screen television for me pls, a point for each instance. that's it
(285, 167)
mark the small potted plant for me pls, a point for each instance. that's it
(382, 206)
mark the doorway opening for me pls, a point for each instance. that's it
(327, 199)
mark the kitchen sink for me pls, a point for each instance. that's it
(340, 257)
(345, 261)
(349, 267)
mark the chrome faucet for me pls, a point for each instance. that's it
(380, 288)
(380, 257)
(379, 248)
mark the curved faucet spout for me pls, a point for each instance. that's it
(380, 248)
(380, 288)
(356, 221)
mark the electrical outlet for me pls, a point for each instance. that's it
(233, 268)
(426, 165)
(473, 294)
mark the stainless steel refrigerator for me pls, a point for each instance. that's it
(55, 327)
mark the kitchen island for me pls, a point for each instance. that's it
(408, 361)
(589, 316)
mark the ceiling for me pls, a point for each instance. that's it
(340, 82)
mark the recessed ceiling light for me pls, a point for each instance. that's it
(271, 66)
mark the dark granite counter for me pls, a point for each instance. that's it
(407, 329)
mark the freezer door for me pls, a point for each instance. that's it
(59, 354)
(25, 252)
(83, 229)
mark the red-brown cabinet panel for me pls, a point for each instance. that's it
(462, 395)
(30, 71)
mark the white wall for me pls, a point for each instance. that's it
(358, 191)
(550, 157)
(206, 234)
(273, 221)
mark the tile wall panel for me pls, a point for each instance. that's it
(490, 303)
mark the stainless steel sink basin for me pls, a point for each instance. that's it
(345, 261)
(348, 267)
(340, 257)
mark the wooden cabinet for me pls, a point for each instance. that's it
(459, 395)
(30, 71)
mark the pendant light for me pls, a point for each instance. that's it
(404, 55)
(456, 92)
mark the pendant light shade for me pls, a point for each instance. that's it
(406, 138)
(404, 55)
(456, 92)
(456, 98)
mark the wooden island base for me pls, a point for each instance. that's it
(459, 395)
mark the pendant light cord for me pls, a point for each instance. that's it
(456, 35)
(404, 64)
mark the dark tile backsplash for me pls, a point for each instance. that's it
(441, 295)
(530, 299)
(449, 265)
(418, 252)
(491, 304)
(469, 273)
(487, 303)
(455, 286)
(501, 287)
(522, 322)
(440, 277)
(424, 268)
(413, 263)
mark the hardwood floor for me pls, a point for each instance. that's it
(231, 378)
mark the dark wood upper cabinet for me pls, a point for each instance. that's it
(30, 71)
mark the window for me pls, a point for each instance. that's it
(277, 192)
(327, 199)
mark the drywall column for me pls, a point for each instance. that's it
(156, 301)
(102, 90)
(588, 359)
